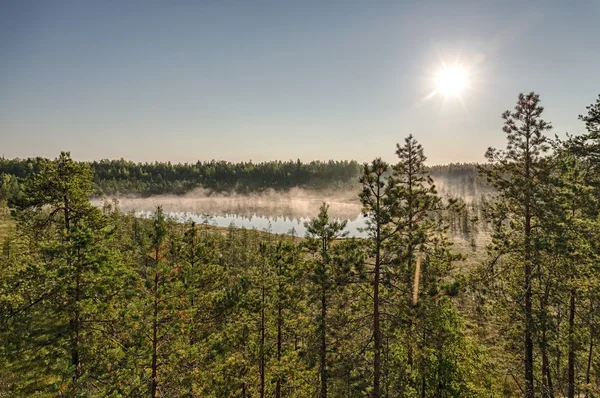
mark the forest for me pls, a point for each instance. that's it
(96, 302)
(121, 177)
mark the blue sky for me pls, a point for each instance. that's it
(261, 80)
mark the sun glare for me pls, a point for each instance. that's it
(451, 80)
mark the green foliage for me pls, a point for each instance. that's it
(61, 277)
(114, 177)
(98, 303)
(543, 260)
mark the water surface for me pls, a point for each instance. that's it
(280, 213)
(275, 224)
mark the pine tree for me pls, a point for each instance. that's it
(157, 241)
(579, 182)
(519, 174)
(284, 260)
(420, 259)
(200, 280)
(321, 232)
(66, 315)
(377, 201)
(155, 311)
(414, 196)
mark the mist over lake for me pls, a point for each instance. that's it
(275, 211)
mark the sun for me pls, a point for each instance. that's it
(451, 80)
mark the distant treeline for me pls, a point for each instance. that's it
(113, 177)
(122, 177)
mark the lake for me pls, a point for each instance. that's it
(277, 212)
(275, 224)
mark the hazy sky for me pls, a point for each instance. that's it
(261, 80)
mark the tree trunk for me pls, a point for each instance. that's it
(75, 321)
(348, 384)
(387, 367)
(591, 349)
(529, 377)
(557, 370)
(547, 387)
(423, 325)
(155, 334)
(191, 342)
(409, 328)
(262, 345)
(323, 351)
(376, 326)
(589, 360)
(409, 276)
(571, 366)
(279, 337)
(76, 325)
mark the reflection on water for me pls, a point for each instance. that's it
(278, 224)
(277, 212)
